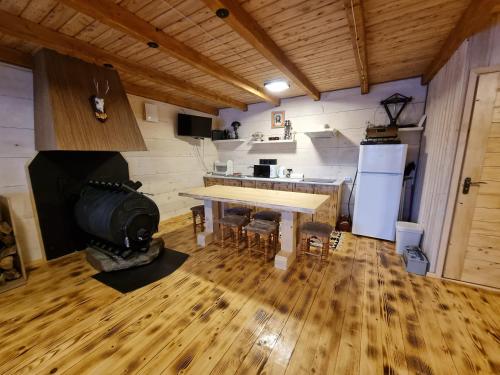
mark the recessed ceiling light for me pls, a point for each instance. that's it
(153, 44)
(277, 85)
(222, 12)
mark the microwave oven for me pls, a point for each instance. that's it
(265, 170)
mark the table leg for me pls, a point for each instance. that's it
(212, 215)
(286, 256)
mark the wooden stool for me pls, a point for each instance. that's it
(235, 224)
(268, 215)
(321, 231)
(239, 211)
(262, 230)
(198, 211)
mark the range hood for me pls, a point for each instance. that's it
(64, 117)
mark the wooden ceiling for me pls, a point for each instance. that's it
(207, 62)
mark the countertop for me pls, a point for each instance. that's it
(289, 180)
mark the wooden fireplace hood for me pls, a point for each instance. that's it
(64, 118)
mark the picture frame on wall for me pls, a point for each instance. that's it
(277, 119)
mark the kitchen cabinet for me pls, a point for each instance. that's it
(230, 182)
(283, 186)
(248, 184)
(263, 185)
(304, 188)
(210, 181)
(329, 211)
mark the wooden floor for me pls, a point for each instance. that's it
(224, 314)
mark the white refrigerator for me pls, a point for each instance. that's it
(378, 190)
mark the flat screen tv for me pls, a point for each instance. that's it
(194, 126)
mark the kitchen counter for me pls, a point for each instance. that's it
(289, 180)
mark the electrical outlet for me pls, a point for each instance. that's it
(348, 179)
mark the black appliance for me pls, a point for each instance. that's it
(262, 170)
(219, 134)
(119, 218)
(268, 161)
(194, 126)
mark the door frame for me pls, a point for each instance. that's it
(458, 163)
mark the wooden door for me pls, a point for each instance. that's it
(474, 247)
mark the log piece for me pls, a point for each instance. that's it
(103, 262)
(7, 263)
(12, 274)
(5, 228)
(11, 250)
(7, 239)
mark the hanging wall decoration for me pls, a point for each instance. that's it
(97, 102)
(277, 119)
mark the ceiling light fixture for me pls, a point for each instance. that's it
(277, 85)
(222, 12)
(153, 44)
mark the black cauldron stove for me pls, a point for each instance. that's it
(119, 219)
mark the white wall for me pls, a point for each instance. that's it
(171, 164)
(345, 110)
(17, 147)
(445, 105)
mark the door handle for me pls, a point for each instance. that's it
(468, 183)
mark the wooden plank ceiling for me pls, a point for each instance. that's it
(400, 39)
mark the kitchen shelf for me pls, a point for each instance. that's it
(326, 133)
(239, 140)
(278, 141)
(414, 129)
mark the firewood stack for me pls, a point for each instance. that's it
(8, 251)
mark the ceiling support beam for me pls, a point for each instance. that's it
(354, 13)
(243, 23)
(117, 17)
(147, 92)
(32, 32)
(14, 57)
(474, 19)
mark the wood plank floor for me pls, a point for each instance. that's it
(222, 314)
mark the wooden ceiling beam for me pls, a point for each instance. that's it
(243, 23)
(147, 92)
(45, 37)
(355, 19)
(117, 17)
(15, 57)
(18, 58)
(476, 17)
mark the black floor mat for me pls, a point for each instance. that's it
(134, 278)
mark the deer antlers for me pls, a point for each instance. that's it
(96, 84)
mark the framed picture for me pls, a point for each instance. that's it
(278, 119)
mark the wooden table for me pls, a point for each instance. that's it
(288, 203)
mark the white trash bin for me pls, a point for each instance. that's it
(407, 234)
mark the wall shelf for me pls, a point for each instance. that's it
(326, 133)
(414, 129)
(278, 141)
(239, 140)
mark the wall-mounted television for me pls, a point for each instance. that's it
(194, 126)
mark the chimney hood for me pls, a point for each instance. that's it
(65, 119)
